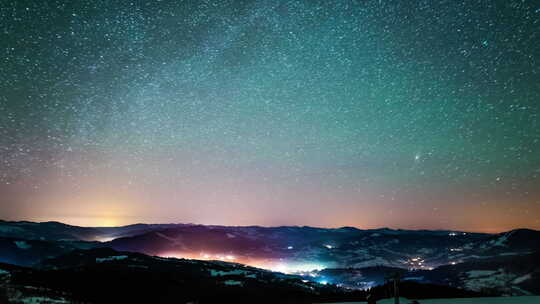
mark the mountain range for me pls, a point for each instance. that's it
(346, 258)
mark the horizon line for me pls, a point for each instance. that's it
(276, 226)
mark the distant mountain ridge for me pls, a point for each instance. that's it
(334, 247)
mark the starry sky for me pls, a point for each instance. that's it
(383, 113)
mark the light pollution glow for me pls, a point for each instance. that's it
(278, 265)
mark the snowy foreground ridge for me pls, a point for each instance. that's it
(498, 300)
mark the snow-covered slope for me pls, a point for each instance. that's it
(498, 300)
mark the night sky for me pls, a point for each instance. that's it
(402, 114)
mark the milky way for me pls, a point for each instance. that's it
(410, 114)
